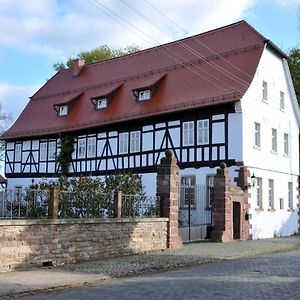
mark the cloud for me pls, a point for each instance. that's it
(14, 98)
(60, 28)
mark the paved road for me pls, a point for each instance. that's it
(273, 276)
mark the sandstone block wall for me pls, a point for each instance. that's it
(27, 243)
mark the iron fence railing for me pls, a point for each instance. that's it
(34, 204)
(140, 206)
(92, 204)
(24, 203)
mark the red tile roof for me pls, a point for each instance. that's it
(207, 69)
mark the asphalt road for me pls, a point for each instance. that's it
(273, 276)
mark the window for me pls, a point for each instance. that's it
(274, 140)
(188, 133)
(271, 193)
(209, 189)
(286, 144)
(18, 152)
(290, 195)
(265, 91)
(187, 195)
(91, 147)
(81, 148)
(202, 132)
(144, 95)
(259, 198)
(63, 110)
(101, 103)
(135, 141)
(123, 143)
(51, 150)
(282, 101)
(43, 151)
(257, 135)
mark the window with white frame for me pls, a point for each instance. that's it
(265, 91)
(202, 132)
(63, 110)
(43, 151)
(18, 152)
(101, 103)
(274, 140)
(51, 150)
(91, 147)
(135, 141)
(123, 142)
(188, 133)
(81, 148)
(282, 104)
(271, 193)
(259, 192)
(286, 144)
(257, 135)
(290, 195)
(144, 95)
(187, 191)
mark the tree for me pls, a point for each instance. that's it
(98, 54)
(4, 120)
(294, 65)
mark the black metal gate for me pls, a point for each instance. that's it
(195, 212)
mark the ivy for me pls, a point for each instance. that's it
(65, 156)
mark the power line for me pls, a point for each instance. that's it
(115, 16)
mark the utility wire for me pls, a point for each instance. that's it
(115, 16)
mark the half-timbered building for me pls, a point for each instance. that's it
(221, 96)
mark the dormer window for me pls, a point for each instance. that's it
(63, 110)
(147, 87)
(101, 103)
(144, 95)
(64, 104)
(105, 96)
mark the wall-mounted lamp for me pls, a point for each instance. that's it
(253, 182)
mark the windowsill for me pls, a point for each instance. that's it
(265, 101)
(274, 152)
(257, 148)
(271, 209)
(285, 155)
(259, 209)
(282, 109)
(290, 210)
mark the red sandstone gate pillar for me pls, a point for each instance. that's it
(167, 188)
(222, 207)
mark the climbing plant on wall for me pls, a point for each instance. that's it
(65, 155)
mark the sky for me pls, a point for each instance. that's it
(35, 34)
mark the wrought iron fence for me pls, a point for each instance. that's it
(34, 203)
(92, 204)
(23, 203)
(140, 206)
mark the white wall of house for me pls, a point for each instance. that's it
(265, 162)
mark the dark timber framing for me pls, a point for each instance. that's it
(156, 135)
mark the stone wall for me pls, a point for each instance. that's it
(26, 243)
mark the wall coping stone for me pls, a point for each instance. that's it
(79, 221)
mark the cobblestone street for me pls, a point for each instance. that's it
(226, 264)
(274, 276)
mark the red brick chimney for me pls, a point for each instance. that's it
(78, 65)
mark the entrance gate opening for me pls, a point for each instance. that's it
(195, 212)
